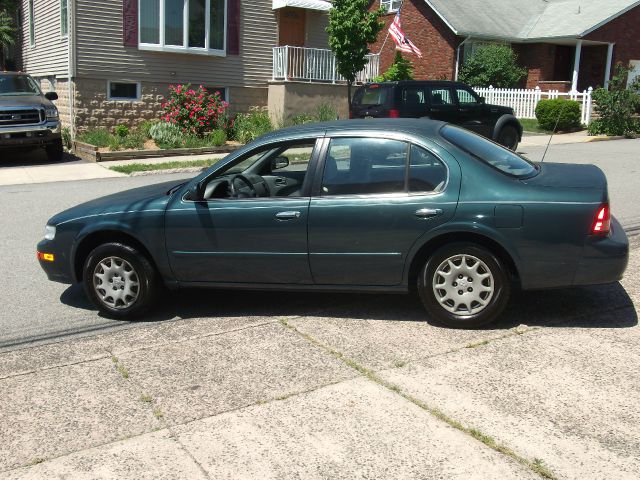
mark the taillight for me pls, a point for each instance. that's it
(350, 114)
(393, 113)
(602, 223)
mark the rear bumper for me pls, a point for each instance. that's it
(605, 258)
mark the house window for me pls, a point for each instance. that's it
(32, 29)
(391, 5)
(221, 90)
(189, 26)
(123, 90)
(64, 18)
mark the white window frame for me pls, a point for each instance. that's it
(32, 23)
(161, 47)
(391, 6)
(124, 99)
(64, 26)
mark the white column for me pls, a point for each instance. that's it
(576, 67)
(607, 71)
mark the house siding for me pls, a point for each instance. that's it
(48, 56)
(429, 33)
(101, 53)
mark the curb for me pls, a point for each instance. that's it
(604, 138)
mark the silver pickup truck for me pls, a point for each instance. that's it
(28, 118)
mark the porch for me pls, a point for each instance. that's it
(304, 64)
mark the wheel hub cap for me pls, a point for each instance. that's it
(116, 283)
(463, 285)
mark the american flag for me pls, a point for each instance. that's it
(402, 41)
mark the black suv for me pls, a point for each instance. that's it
(28, 118)
(451, 102)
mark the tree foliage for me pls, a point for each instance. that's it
(7, 27)
(615, 107)
(351, 29)
(492, 64)
(400, 69)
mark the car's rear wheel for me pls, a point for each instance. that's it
(120, 280)
(508, 137)
(464, 285)
(55, 151)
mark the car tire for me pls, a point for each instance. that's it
(55, 151)
(120, 280)
(477, 298)
(508, 137)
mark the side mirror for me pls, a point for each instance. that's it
(483, 100)
(279, 162)
(51, 96)
(197, 192)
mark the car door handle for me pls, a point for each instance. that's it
(428, 212)
(287, 215)
(281, 181)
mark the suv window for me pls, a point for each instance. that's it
(465, 97)
(442, 97)
(426, 172)
(370, 95)
(18, 85)
(413, 96)
(491, 153)
(360, 166)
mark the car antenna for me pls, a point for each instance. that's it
(553, 132)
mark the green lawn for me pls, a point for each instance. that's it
(531, 125)
(146, 167)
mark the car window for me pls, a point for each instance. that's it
(297, 159)
(427, 173)
(18, 85)
(441, 96)
(489, 152)
(371, 95)
(413, 96)
(465, 97)
(360, 166)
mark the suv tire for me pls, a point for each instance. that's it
(55, 151)
(508, 137)
(463, 285)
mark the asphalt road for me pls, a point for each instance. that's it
(35, 310)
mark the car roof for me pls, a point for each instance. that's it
(417, 126)
(449, 83)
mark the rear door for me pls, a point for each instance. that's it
(473, 113)
(413, 102)
(373, 199)
(442, 104)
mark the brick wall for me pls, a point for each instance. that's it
(425, 29)
(623, 31)
(539, 59)
(593, 59)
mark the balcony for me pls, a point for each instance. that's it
(316, 65)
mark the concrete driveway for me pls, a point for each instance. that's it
(273, 385)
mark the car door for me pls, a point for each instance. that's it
(473, 114)
(246, 240)
(442, 104)
(413, 102)
(367, 210)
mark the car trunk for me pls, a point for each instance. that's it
(567, 175)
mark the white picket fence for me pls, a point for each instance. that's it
(524, 101)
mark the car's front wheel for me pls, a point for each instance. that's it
(55, 151)
(508, 137)
(464, 285)
(120, 280)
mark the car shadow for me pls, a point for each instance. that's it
(603, 306)
(33, 158)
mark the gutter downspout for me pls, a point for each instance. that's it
(71, 64)
(458, 56)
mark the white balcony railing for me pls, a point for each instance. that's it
(316, 65)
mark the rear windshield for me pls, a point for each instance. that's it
(489, 152)
(371, 95)
(18, 85)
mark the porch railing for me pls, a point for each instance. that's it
(524, 101)
(316, 65)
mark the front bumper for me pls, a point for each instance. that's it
(59, 269)
(30, 135)
(604, 259)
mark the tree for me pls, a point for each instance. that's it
(492, 64)
(351, 29)
(400, 69)
(7, 27)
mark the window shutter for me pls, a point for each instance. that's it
(130, 23)
(233, 27)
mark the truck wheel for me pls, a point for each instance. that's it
(463, 285)
(508, 137)
(55, 151)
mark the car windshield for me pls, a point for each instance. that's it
(371, 95)
(489, 152)
(18, 85)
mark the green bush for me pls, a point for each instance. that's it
(400, 69)
(559, 114)
(301, 119)
(121, 131)
(100, 137)
(166, 135)
(145, 126)
(66, 138)
(492, 64)
(616, 106)
(249, 126)
(218, 138)
(325, 113)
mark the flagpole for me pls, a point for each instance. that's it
(387, 37)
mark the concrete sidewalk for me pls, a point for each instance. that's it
(232, 387)
(530, 139)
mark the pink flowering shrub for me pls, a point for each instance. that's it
(195, 112)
